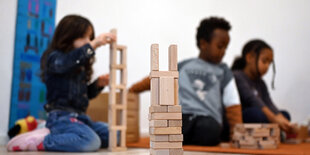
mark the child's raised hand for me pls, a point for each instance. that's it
(103, 39)
(103, 80)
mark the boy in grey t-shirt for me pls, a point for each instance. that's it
(207, 87)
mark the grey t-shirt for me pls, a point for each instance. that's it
(204, 88)
(253, 93)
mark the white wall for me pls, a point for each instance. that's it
(7, 31)
(282, 23)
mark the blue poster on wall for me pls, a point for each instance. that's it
(35, 24)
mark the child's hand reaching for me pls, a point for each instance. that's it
(103, 39)
(103, 80)
(283, 123)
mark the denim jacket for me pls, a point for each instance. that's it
(67, 89)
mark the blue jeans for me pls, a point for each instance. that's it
(72, 132)
(256, 115)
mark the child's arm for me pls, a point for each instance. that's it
(59, 62)
(277, 118)
(96, 87)
(232, 105)
(141, 86)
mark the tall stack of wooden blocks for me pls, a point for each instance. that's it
(165, 115)
(117, 110)
(256, 136)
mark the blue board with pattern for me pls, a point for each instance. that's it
(35, 23)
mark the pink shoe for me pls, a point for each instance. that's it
(30, 141)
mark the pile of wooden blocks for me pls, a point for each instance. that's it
(298, 135)
(165, 115)
(117, 110)
(256, 136)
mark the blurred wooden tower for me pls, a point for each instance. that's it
(117, 110)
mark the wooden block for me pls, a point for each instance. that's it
(118, 106)
(166, 151)
(123, 52)
(165, 116)
(268, 146)
(237, 136)
(158, 123)
(175, 123)
(270, 125)
(118, 149)
(239, 128)
(166, 91)
(302, 132)
(248, 141)
(261, 132)
(252, 125)
(121, 47)
(131, 130)
(123, 139)
(176, 138)
(132, 138)
(167, 74)
(176, 91)
(267, 142)
(293, 141)
(235, 144)
(120, 127)
(165, 145)
(275, 132)
(175, 151)
(118, 66)
(155, 91)
(133, 114)
(165, 131)
(121, 86)
(112, 139)
(173, 58)
(159, 138)
(175, 109)
(154, 57)
(249, 147)
(158, 109)
(123, 77)
(225, 145)
(132, 97)
(160, 152)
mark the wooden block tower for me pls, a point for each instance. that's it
(165, 115)
(256, 136)
(117, 110)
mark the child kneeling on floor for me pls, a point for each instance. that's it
(249, 69)
(66, 71)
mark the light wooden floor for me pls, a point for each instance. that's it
(3, 151)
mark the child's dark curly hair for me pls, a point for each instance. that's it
(70, 28)
(208, 25)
